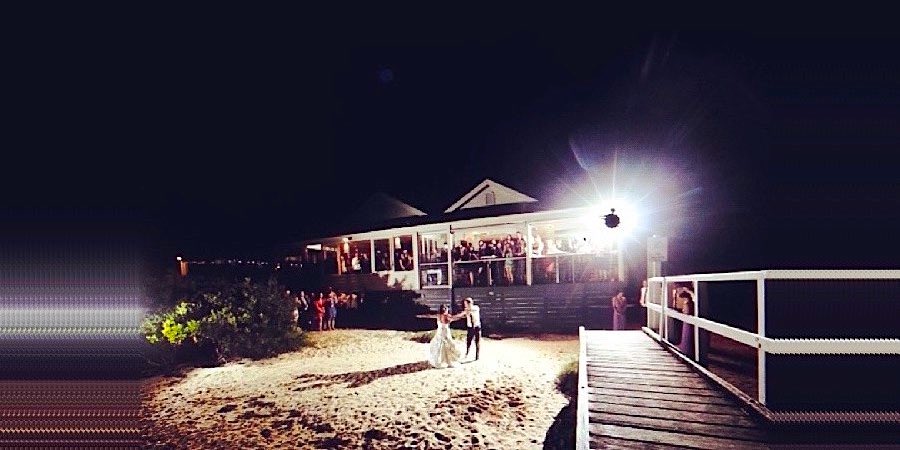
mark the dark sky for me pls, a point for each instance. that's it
(228, 132)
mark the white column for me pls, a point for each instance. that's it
(556, 264)
(529, 240)
(450, 245)
(653, 270)
(664, 321)
(761, 331)
(415, 256)
(391, 251)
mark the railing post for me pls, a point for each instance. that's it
(647, 310)
(581, 422)
(761, 332)
(664, 320)
(528, 256)
(696, 329)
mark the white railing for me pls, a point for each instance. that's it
(658, 312)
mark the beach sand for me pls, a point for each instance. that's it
(365, 389)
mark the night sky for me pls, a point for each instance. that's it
(219, 134)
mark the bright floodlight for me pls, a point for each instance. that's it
(611, 219)
(178, 258)
(618, 217)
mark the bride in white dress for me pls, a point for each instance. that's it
(443, 351)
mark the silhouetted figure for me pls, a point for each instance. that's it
(620, 306)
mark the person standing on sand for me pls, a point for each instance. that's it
(472, 313)
(620, 306)
(331, 311)
(295, 313)
(442, 350)
(320, 310)
(303, 305)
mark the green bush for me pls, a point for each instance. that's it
(243, 319)
(567, 380)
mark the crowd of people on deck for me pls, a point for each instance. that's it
(319, 311)
(485, 260)
(511, 270)
(357, 262)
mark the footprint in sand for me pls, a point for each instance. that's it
(227, 408)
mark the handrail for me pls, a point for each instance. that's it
(725, 276)
(758, 338)
(833, 274)
(582, 441)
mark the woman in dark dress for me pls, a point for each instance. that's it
(686, 303)
(620, 306)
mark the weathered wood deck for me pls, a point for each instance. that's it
(641, 396)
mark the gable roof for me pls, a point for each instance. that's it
(382, 207)
(489, 193)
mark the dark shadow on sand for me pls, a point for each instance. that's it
(356, 379)
(561, 434)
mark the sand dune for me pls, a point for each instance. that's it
(372, 390)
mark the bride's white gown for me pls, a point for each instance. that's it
(443, 350)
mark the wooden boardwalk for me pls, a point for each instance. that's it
(641, 396)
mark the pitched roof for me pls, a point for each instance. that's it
(489, 193)
(382, 207)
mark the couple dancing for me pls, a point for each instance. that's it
(443, 351)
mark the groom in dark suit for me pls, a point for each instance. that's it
(473, 325)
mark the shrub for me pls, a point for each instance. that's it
(172, 326)
(567, 380)
(243, 319)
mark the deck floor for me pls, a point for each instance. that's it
(641, 396)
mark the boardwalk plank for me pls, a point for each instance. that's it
(649, 371)
(658, 437)
(663, 389)
(604, 442)
(640, 396)
(679, 424)
(667, 404)
(682, 415)
(634, 359)
(626, 348)
(661, 358)
(603, 378)
(658, 396)
(651, 363)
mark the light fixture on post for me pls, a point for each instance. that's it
(611, 219)
(182, 265)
